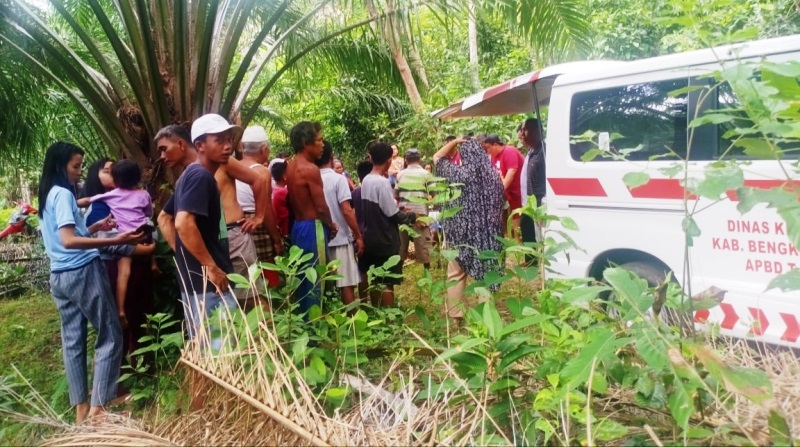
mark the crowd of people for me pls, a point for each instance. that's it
(228, 213)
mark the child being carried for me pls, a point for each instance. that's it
(132, 209)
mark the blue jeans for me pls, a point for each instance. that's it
(198, 307)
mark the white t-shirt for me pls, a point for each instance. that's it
(337, 191)
(244, 194)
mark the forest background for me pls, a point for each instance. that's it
(364, 69)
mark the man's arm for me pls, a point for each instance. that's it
(186, 226)
(508, 178)
(166, 223)
(447, 149)
(269, 218)
(314, 181)
(238, 171)
(350, 217)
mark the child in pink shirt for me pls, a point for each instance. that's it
(132, 209)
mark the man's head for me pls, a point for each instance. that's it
(255, 144)
(306, 137)
(213, 138)
(325, 159)
(529, 133)
(449, 138)
(172, 143)
(413, 156)
(381, 155)
(492, 144)
(363, 169)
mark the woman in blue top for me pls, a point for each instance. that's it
(78, 281)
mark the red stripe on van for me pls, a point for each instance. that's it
(761, 324)
(661, 188)
(792, 332)
(582, 187)
(763, 184)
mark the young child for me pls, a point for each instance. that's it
(132, 209)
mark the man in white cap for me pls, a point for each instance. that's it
(255, 152)
(203, 261)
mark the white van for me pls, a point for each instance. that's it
(641, 228)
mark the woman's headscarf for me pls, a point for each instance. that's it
(475, 228)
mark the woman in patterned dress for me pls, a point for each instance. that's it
(477, 225)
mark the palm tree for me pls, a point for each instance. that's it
(132, 67)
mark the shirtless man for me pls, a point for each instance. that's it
(313, 225)
(176, 148)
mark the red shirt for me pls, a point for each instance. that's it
(281, 209)
(510, 158)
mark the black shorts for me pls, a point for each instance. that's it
(366, 260)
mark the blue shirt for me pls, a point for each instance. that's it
(61, 210)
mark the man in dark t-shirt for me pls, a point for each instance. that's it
(203, 261)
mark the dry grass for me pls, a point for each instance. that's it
(255, 395)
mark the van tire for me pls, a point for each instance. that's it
(656, 274)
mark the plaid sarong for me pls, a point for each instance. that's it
(263, 242)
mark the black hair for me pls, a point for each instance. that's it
(278, 171)
(92, 186)
(127, 174)
(283, 154)
(303, 133)
(449, 138)
(54, 170)
(363, 169)
(327, 154)
(379, 152)
(492, 139)
(175, 131)
(412, 156)
(531, 126)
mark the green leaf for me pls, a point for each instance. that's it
(786, 282)
(711, 118)
(779, 428)
(635, 179)
(311, 274)
(492, 320)
(604, 344)
(718, 180)
(609, 430)
(238, 279)
(757, 148)
(680, 404)
(511, 358)
(520, 324)
(582, 296)
(503, 384)
(568, 223)
(449, 212)
(690, 229)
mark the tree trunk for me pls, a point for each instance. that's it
(474, 67)
(392, 38)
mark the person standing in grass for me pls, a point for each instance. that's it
(313, 225)
(477, 225)
(409, 182)
(347, 243)
(382, 218)
(79, 282)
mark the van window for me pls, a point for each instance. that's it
(723, 99)
(643, 114)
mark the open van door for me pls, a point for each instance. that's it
(527, 93)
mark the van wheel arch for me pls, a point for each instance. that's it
(650, 268)
(644, 264)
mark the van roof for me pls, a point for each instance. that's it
(515, 95)
(742, 50)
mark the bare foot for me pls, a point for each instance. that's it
(81, 411)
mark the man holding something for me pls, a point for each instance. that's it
(203, 261)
